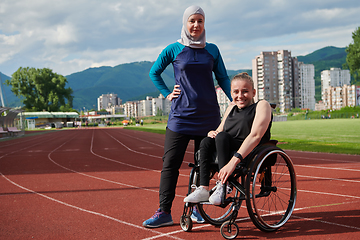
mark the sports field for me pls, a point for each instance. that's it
(102, 183)
(325, 135)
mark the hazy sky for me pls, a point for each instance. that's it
(72, 35)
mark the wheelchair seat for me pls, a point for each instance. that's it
(247, 159)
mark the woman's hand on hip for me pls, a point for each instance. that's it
(175, 93)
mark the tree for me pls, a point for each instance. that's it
(353, 55)
(41, 89)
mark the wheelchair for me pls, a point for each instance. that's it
(265, 181)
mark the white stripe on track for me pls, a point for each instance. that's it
(327, 168)
(155, 144)
(331, 179)
(326, 222)
(331, 194)
(131, 150)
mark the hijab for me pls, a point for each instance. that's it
(186, 39)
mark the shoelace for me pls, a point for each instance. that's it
(194, 186)
(228, 188)
(156, 215)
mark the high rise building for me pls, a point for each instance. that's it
(223, 100)
(335, 77)
(336, 98)
(307, 85)
(160, 105)
(106, 101)
(149, 107)
(276, 79)
(332, 83)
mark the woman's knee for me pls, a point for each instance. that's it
(222, 136)
(207, 143)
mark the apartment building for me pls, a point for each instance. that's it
(222, 99)
(335, 77)
(307, 86)
(160, 106)
(276, 79)
(145, 107)
(131, 109)
(336, 91)
(106, 101)
(336, 98)
(148, 107)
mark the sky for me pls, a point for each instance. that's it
(70, 36)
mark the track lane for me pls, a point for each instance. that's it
(148, 198)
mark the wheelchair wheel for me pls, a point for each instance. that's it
(271, 189)
(229, 231)
(217, 215)
(186, 223)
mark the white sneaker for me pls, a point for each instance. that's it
(199, 195)
(215, 198)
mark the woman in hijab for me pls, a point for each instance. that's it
(194, 109)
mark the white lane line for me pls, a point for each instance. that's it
(331, 179)
(326, 222)
(158, 145)
(327, 168)
(131, 150)
(325, 159)
(326, 193)
(87, 211)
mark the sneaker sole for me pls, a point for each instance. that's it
(195, 220)
(160, 225)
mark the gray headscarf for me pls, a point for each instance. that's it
(186, 38)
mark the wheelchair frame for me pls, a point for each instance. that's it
(267, 183)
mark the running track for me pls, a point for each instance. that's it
(103, 183)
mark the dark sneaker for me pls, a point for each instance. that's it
(158, 220)
(196, 217)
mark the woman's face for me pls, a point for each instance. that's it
(195, 25)
(242, 93)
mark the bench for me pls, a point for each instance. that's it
(2, 131)
(13, 130)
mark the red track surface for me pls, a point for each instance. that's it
(103, 183)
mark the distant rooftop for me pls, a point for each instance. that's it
(51, 114)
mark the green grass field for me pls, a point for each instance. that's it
(326, 135)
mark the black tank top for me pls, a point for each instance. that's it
(239, 122)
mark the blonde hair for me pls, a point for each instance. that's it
(244, 76)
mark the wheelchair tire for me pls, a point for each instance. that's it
(271, 189)
(229, 231)
(186, 223)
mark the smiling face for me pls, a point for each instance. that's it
(195, 25)
(242, 92)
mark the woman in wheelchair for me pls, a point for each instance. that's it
(244, 126)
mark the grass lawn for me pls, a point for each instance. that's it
(323, 135)
(327, 135)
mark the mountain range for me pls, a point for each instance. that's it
(131, 81)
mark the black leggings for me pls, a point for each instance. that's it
(224, 144)
(174, 151)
